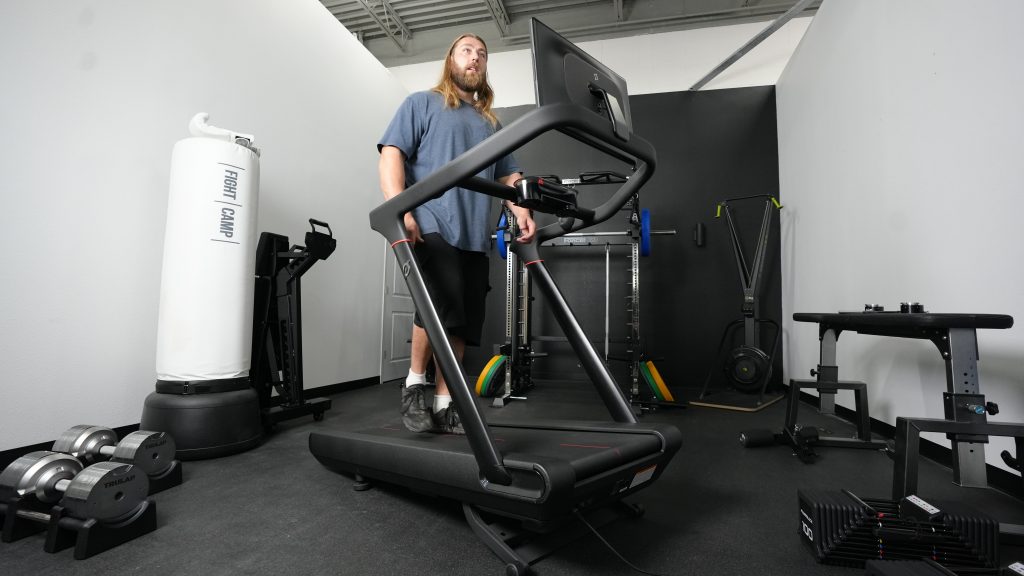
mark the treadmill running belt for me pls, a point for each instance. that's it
(557, 466)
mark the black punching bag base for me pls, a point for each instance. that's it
(206, 425)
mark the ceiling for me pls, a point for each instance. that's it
(401, 32)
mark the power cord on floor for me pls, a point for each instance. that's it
(612, 548)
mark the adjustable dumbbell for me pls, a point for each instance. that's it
(107, 491)
(152, 452)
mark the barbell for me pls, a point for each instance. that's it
(645, 234)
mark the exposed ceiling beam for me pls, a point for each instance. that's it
(392, 18)
(690, 19)
(778, 23)
(500, 15)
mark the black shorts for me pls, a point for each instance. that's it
(458, 285)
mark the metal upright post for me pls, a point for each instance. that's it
(512, 325)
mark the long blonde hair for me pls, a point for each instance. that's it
(446, 85)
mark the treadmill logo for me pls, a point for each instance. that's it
(807, 531)
(643, 475)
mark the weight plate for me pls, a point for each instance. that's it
(746, 366)
(645, 232)
(106, 491)
(654, 381)
(152, 452)
(502, 225)
(37, 473)
(491, 377)
(84, 442)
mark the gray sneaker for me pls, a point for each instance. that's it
(415, 414)
(448, 421)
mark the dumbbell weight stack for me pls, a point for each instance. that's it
(92, 508)
(152, 452)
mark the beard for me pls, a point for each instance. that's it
(468, 81)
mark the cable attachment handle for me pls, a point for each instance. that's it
(318, 244)
(313, 223)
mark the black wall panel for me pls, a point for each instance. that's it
(711, 145)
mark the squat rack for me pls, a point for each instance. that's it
(507, 376)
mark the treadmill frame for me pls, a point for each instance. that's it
(539, 491)
(388, 220)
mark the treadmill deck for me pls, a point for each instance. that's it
(557, 466)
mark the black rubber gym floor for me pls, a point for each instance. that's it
(719, 509)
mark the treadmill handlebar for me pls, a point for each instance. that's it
(489, 187)
(574, 121)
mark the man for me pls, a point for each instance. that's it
(451, 234)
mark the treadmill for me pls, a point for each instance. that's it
(537, 477)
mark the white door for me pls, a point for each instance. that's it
(396, 321)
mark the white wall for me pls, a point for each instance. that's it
(651, 63)
(900, 135)
(95, 94)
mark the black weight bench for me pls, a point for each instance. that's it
(955, 335)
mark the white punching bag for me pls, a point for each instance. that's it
(203, 396)
(206, 291)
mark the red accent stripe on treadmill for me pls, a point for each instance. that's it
(583, 446)
(533, 262)
(397, 242)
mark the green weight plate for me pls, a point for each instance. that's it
(492, 378)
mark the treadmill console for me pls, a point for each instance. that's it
(546, 194)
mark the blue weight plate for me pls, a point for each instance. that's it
(502, 224)
(645, 232)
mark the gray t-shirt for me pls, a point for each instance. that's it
(430, 136)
